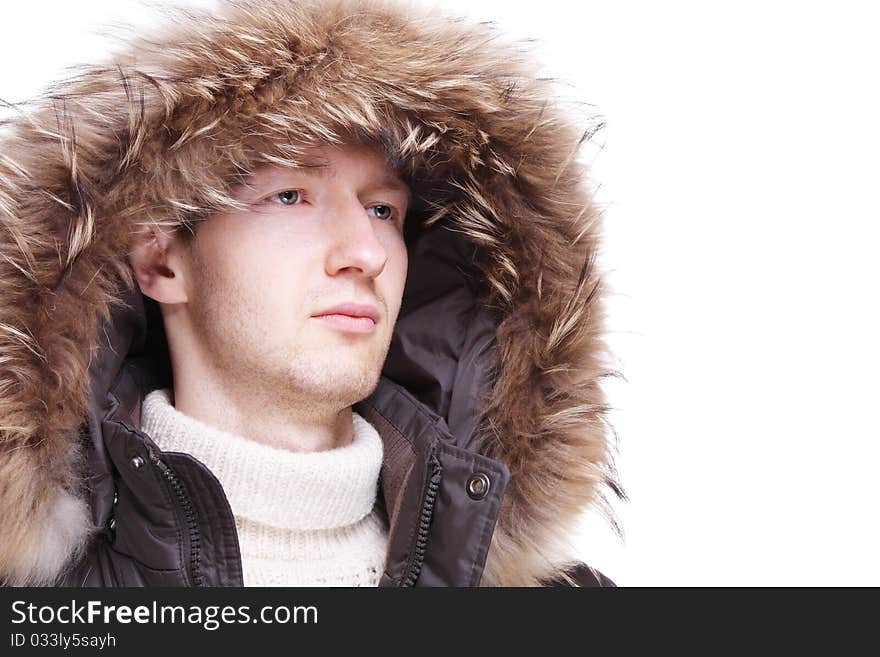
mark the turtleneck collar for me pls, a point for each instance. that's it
(280, 488)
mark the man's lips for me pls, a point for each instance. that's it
(348, 322)
(350, 316)
(354, 310)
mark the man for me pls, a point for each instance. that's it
(279, 317)
(300, 294)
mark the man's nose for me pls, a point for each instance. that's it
(354, 241)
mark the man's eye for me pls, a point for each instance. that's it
(383, 211)
(287, 197)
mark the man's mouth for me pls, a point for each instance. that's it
(348, 323)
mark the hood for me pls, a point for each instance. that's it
(162, 131)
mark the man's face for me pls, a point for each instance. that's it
(314, 238)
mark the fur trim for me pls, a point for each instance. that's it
(36, 548)
(159, 135)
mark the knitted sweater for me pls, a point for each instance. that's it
(303, 518)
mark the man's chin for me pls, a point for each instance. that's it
(352, 384)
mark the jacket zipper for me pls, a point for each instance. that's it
(192, 525)
(425, 515)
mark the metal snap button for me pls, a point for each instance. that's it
(478, 486)
(115, 498)
(112, 524)
(137, 462)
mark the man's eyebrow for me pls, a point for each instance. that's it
(255, 177)
(394, 183)
(389, 180)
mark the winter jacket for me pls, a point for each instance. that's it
(489, 404)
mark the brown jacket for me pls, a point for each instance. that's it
(489, 404)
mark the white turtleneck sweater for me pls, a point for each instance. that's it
(303, 518)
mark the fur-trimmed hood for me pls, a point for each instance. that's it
(160, 134)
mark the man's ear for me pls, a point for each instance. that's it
(156, 259)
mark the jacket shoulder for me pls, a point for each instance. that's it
(580, 575)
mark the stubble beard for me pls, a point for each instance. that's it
(314, 376)
(315, 380)
(324, 377)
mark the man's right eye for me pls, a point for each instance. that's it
(287, 197)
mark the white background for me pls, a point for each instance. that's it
(738, 173)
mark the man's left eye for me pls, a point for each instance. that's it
(382, 211)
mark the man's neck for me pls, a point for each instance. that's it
(304, 426)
